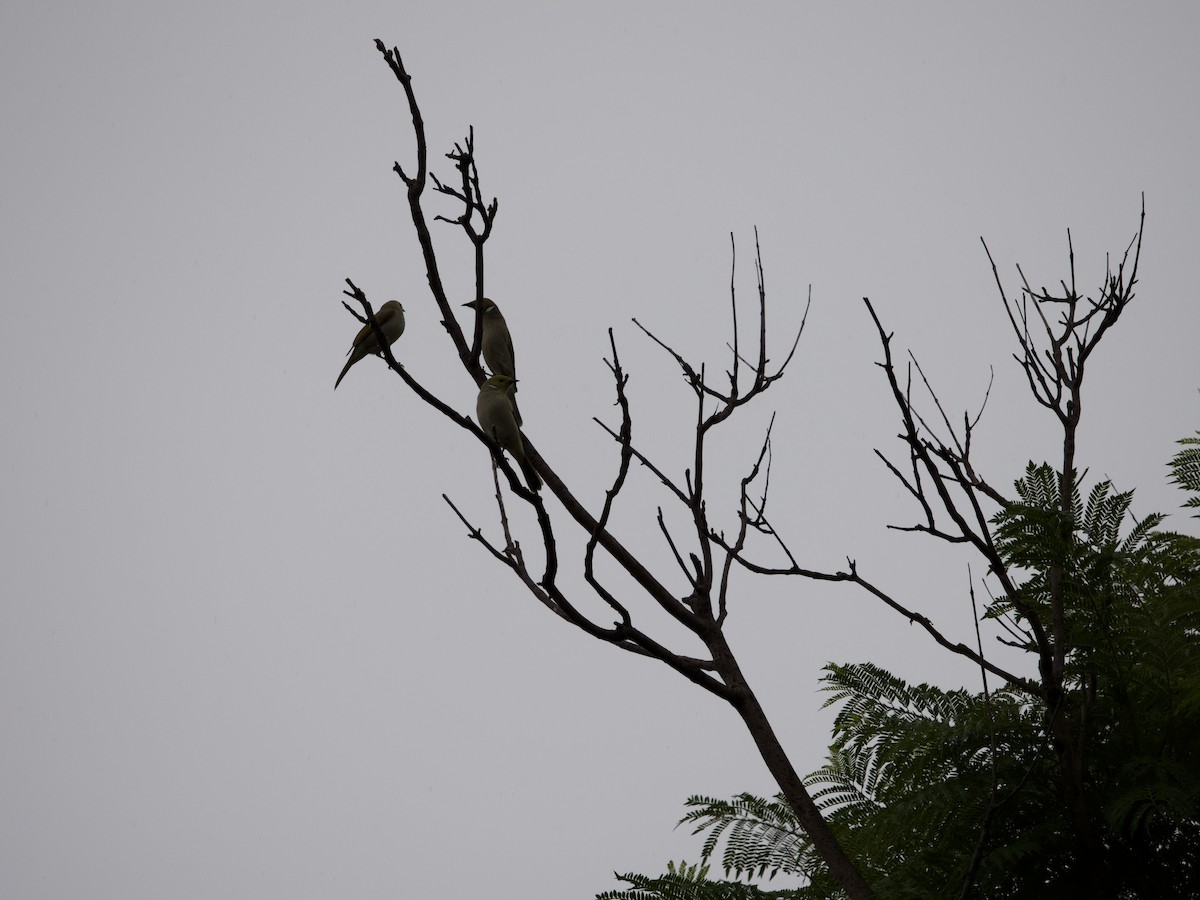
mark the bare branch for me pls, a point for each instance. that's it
(679, 493)
(610, 497)
(745, 522)
(414, 188)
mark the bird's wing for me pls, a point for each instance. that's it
(382, 316)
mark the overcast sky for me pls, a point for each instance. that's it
(246, 650)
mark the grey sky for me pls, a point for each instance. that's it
(245, 648)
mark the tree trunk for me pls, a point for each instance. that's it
(784, 773)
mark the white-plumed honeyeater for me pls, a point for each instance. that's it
(497, 346)
(391, 320)
(495, 413)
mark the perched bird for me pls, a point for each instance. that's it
(495, 413)
(497, 346)
(390, 317)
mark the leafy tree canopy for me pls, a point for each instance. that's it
(950, 793)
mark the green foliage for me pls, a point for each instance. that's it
(1185, 470)
(921, 781)
(763, 837)
(684, 882)
(927, 763)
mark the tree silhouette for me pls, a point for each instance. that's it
(1056, 334)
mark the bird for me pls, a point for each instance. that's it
(494, 410)
(391, 319)
(497, 346)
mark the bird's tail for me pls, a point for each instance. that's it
(535, 481)
(346, 368)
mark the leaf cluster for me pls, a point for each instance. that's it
(684, 882)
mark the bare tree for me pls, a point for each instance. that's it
(705, 557)
(1056, 335)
